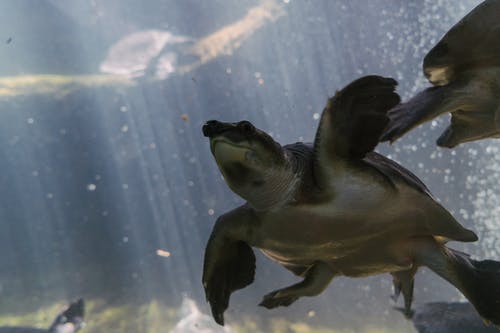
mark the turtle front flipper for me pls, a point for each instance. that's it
(477, 280)
(352, 122)
(317, 278)
(229, 262)
(426, 105)
(354, 119)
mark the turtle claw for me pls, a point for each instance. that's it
(397, 286)
(277, 298)
(219, 318)
(408, 313)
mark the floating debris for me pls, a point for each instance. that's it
(162, 253)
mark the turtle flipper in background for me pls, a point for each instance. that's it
(465, 69)
(453, 317)
(68, 321)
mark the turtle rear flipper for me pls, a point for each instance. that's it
(479, 281)
(316, 279)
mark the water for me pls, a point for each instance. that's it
(109, 188)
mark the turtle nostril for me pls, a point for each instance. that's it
(246, 127)
(210, 128)
(207, 131)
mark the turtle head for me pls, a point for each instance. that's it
(254, 166)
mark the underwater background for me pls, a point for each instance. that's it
(109, 190)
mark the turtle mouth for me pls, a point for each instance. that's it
(225, 150)
(223, 140)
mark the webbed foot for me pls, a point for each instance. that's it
(403, 282)
(278, 298)
(317, 278)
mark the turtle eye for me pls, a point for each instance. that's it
(246, 127)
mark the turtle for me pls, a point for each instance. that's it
(464, 68)
(334, 207)
(68, 321)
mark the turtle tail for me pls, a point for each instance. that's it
(479, 281)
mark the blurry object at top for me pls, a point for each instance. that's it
(194, 321)
(157, 54)
(68, 321)
(465, 69)
(456, 317)
(152, 54)
(57, 85)
(132, 55)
